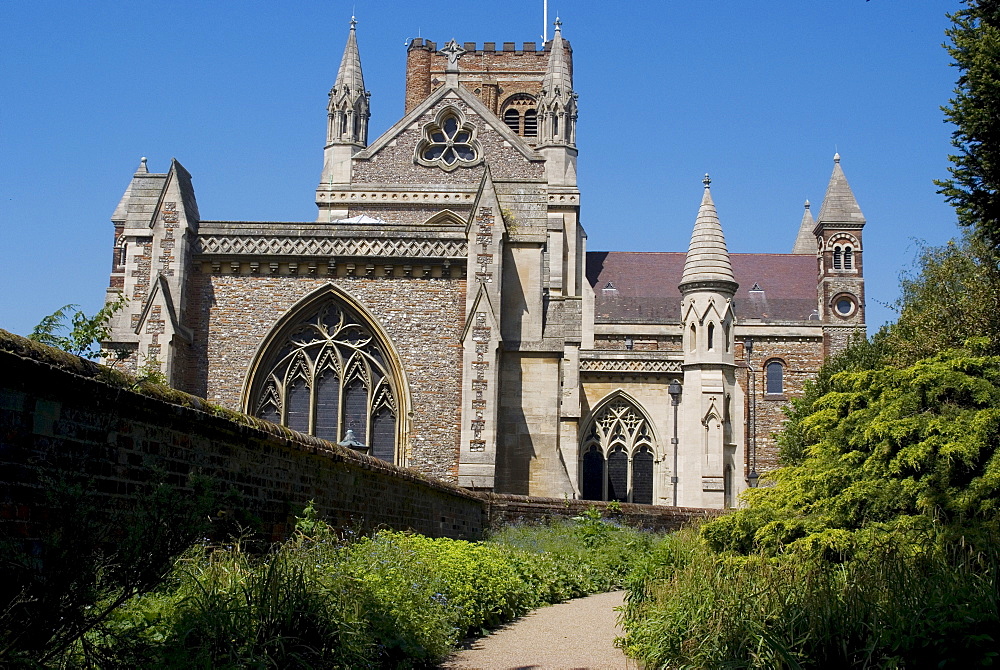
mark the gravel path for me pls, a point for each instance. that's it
(574, 635)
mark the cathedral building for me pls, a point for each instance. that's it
(443, 312)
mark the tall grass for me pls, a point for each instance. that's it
(899, 603)
(389, 600)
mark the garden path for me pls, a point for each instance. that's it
(578, 634)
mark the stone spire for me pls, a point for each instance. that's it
(839, 205)
(557, 106)
(348, 108)
(707, 262)
(805, 242)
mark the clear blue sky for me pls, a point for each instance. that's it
(759, 94)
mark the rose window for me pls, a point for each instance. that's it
(448, 143)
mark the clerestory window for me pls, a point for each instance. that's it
(775, 378)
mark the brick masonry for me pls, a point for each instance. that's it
(801, 358)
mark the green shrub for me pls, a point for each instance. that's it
(906, 602)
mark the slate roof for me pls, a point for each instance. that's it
(641, 287)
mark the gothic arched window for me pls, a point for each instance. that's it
(617, 455)
(325, 373)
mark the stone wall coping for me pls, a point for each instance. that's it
(33, 353)
(630, 355)
(369, 230)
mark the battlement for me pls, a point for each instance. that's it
(472, 47)
(494, 72)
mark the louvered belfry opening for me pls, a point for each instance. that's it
(327, 374)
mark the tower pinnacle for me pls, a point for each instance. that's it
(557, 105)
(348, 108)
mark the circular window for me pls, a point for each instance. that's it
(844, 306)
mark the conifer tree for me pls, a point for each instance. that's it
(974, 189)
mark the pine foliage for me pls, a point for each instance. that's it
(888, 449)
(974, 188)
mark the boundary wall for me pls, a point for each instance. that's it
(65, 417)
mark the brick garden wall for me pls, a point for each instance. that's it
(57, 416)
(506, 510)
(64, 416)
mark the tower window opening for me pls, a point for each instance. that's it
(519, 113)
(531, 123)
(848, 258)
(837, 262)
(513, 120)
(711, 337)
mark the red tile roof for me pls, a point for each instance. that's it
(641, 287)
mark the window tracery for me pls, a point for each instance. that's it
(617, 455)
(328, 374)
(448, 142)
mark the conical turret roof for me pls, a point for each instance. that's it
(805, 242)
(839, 205)
(558, 75)
(707, 257)
(350, 80)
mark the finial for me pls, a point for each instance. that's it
(707, 181)
(143, 161)
(453, 52)
(836, 157)
(807, 204)
(558, 25)
(354, 23)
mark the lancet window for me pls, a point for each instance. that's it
(617, 455)
(327, 374)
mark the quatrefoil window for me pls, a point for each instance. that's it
(448, 142)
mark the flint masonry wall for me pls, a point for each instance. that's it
(62, 416)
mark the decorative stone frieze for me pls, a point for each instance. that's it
(329, 246)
